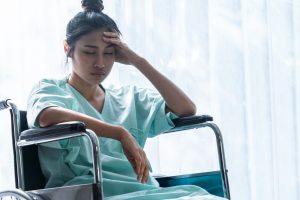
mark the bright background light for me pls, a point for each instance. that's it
(237, 59)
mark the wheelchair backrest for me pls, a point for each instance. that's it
(33, 176)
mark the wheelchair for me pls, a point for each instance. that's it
(29, 180)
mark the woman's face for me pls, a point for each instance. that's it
(93, 58)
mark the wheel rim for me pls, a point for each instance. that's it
(15, 194)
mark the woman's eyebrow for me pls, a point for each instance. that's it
(91, 46)
(96, 47)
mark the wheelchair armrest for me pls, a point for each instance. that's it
(184, 123)
(64, 131)
(191, 120)
(55, 131)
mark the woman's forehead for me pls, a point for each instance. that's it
(94, 37)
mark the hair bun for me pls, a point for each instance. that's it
(92, 5)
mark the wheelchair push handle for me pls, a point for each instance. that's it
(4, 104)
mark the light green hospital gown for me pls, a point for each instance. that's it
(69, 162)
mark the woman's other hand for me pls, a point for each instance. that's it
(123, 54)
(136, 156)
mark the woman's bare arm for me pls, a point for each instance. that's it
(177, 101)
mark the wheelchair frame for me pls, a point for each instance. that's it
(56, 132)
(77, 129)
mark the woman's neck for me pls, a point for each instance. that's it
(87, 90)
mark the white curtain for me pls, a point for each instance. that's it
(239, 60)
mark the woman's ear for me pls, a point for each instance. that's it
(66, 47)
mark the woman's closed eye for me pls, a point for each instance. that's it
(89, 52)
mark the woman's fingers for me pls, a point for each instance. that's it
(115, 41)
(145, 174)
(144, 168)
(113, 38)
(141, 166)
(110, 34)
(145, 171)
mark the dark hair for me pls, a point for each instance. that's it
(89, 20)
(96, 5)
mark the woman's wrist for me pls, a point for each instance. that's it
(122, 133)
(139, 62)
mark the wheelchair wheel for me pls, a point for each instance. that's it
(17, 194)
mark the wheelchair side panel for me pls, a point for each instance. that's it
(210, 181)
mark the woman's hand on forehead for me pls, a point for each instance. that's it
(123, 54)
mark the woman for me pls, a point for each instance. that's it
(122, 117)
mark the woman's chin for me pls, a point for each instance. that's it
(98, 79)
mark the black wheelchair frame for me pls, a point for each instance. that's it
(29, 178)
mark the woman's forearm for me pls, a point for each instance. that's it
(177, 101)
(54, 115)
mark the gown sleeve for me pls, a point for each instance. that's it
(151, 112)
(47, 93)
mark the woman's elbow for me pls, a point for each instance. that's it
(47, 117)
(43, 120)
(193, 110)
(188, 111)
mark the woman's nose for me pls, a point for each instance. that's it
(99, 66)
(100, 62)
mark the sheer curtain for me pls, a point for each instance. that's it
(239, 60)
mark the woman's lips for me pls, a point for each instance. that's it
(98, 73)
